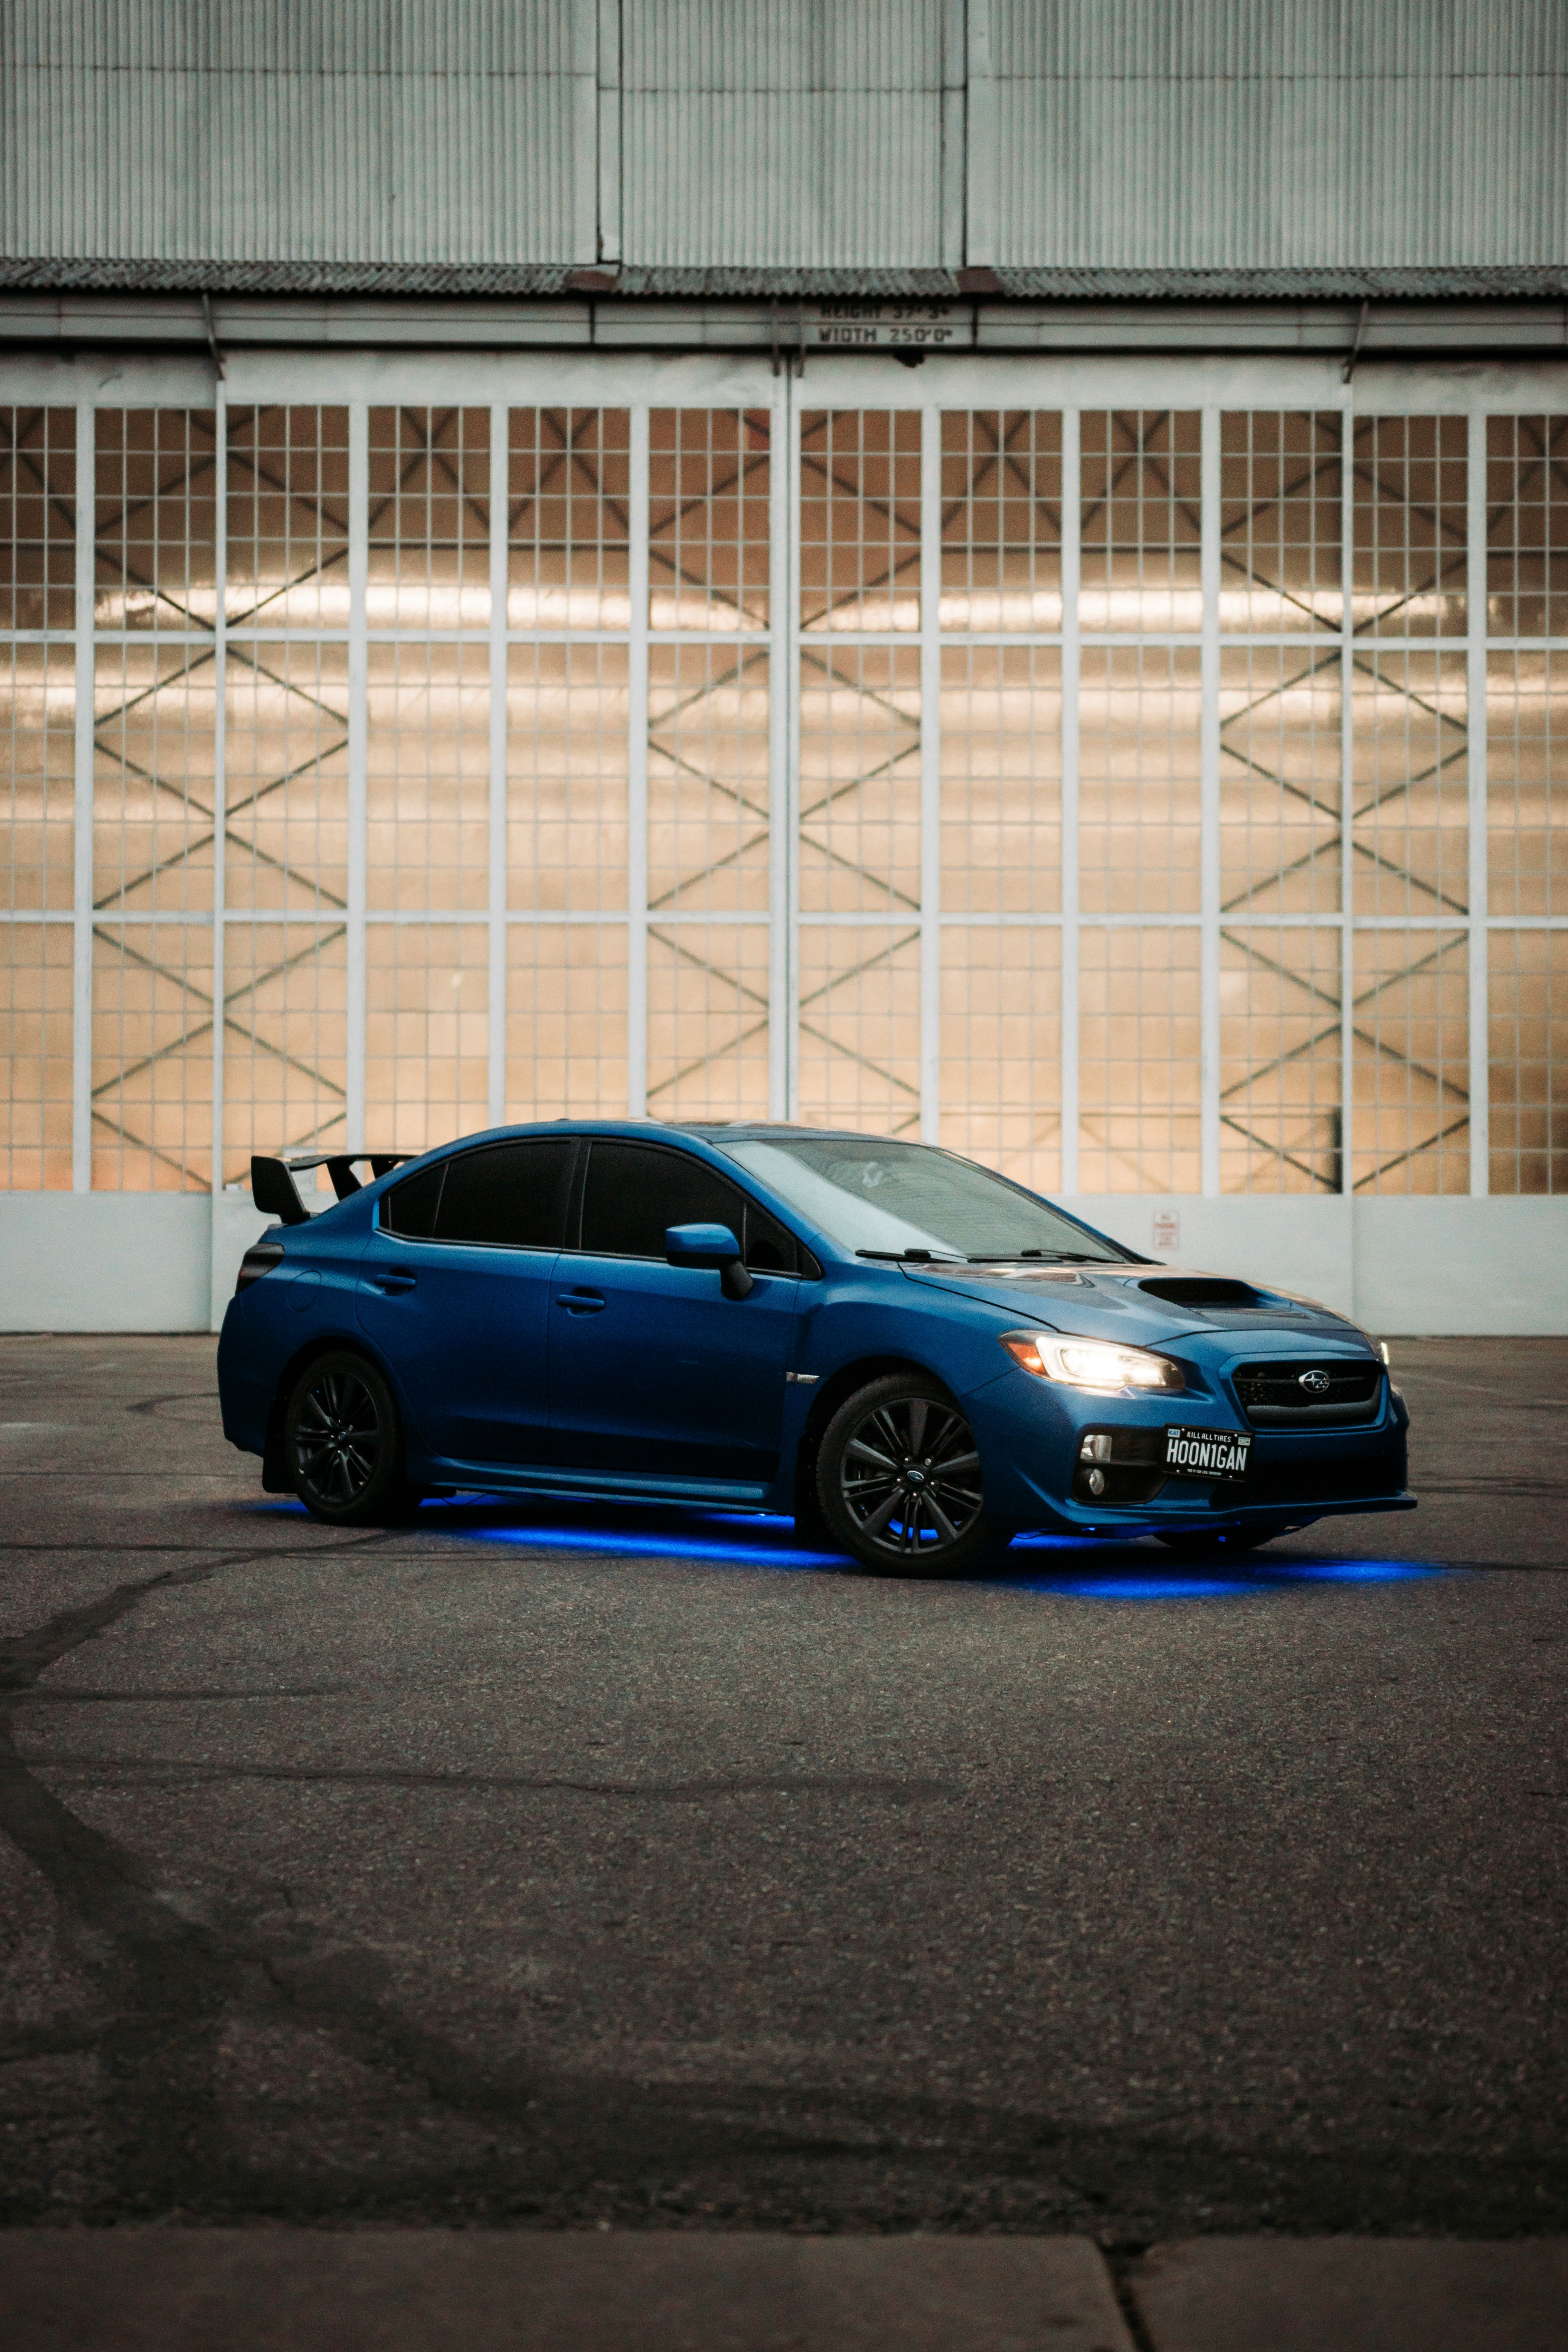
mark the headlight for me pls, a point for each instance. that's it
(1089, 1363)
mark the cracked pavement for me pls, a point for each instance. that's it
(554, 1864)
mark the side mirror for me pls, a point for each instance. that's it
(709, 1246)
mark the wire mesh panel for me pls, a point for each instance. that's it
(427, 1045)
(1279, 1074)
(709, 473)
(1411, 1011)
(1527, 782)
(288, 521)
(1528, 1051)
(860, 1027)
(1001, 519)
(1279, 527)
(860, 846)
(285, 1084)
(1000, 779)
(1139, 1054)
(1141, 722)
(1527, 526)
(152, 1079)
(859, 519)
(36, 994)
(568, 751)
(37, 517)
(1280, 792)
(566, 1021)
(286, 765)
(708, 1021)
(1410, 810)
(155, 534)
(427, 777)
(1408, 490)
(1001, 1049)
(429, 519)
(569, 519)
(1141, 521)
(38, 778)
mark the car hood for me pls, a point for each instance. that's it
(1124, 1303)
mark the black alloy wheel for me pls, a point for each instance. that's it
(343, 1446)
(900, 1483)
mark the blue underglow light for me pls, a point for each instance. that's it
(1064, 1567)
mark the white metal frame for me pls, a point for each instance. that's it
(639, 383)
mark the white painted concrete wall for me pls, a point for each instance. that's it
(166, 1261)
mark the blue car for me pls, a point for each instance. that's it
(911, 1356)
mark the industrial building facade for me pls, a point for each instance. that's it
(1127, 749)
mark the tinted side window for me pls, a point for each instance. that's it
(633, 1193)
(769, 1249)
(409, 1208)
(512, 1195)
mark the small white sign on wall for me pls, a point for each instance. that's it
(1167, 1230)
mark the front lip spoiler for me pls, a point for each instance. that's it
(1153, 1522)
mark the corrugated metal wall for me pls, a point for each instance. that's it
(1259, 134)
(300, 130)
(784, 132)
(806, 133)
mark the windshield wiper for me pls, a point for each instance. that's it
(920, 1257)
(1040, 1257)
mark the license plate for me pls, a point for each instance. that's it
(1206, 1452)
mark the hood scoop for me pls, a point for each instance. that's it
(1205, 1290)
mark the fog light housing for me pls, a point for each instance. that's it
(1095, 1481)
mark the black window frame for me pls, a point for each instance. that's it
(809, 1270)
(432, 1240)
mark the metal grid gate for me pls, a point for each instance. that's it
(1138, 798)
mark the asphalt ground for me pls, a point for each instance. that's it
(577, 1866)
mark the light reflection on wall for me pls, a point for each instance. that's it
(1344, 905)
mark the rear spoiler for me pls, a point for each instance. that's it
(273, 1188)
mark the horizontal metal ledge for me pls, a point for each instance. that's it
(242, 320)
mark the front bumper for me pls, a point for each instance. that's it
(1292, 1478)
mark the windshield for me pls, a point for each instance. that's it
(889, 1199)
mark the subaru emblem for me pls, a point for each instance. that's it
(1316, 1383)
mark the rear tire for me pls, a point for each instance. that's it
(344, 1445)
(898, 1482)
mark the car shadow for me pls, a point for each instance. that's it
(1069, 1567)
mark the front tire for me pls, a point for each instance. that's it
(898, 1482)
(344, 1445)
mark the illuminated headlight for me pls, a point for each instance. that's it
(1089, 1363)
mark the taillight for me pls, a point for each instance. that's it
(259, 1259)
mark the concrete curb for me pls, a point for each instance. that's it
(529, 2291)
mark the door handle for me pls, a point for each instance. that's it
(581, 1302)
(394, 1282)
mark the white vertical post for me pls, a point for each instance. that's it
(1071, 520)
(217, 1268)
(636, 780)
(500, 505)
(1476, 701)
(220, 788)
(780, 703)
(359, 684)
(789, 1010)
(931, 773)
(1208, 804)
(81, 883)
(1347, 791)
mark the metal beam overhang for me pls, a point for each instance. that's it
(617, 321)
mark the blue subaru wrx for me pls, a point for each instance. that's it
(912, 1356)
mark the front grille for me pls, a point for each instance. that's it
(1272, 1397)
